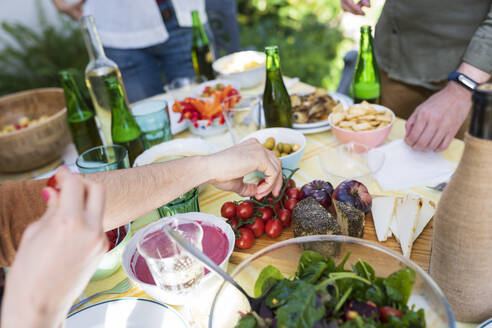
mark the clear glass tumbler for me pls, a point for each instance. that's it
(153, 119)
(103, 158)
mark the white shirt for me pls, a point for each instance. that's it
(131, 24)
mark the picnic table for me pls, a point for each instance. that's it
(211, 199)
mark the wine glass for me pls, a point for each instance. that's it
(233, 106)
(174, 270)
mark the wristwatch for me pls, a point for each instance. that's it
(462, 80)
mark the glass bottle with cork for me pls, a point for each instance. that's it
(81, 122)
(201, 52)
(366, 84)
(462, 242)
(276, 99)
(98, 69)
(124, 128)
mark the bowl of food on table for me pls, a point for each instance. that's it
(244, 67)
(363, 123)
(331, 281)
(207, 116)
(287, 144)
(211, 88)
(33, 129)
(111, 261)
(310, 110)
(218, 243)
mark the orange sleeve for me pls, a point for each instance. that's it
(20, 204)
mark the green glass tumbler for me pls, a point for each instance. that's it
(153, 119)
(103, 158)
(183, 204)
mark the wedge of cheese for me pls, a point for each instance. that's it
(426, 213)
(393, 226)
(383, 210)
(407, 217)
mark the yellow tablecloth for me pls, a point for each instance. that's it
(211, 198)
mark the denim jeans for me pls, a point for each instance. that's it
(143, 69)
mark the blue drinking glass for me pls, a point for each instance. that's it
(103, 158)
(153, 119)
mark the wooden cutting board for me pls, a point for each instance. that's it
(420, 251)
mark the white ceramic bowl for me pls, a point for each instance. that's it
(247, 78)
(198, 90)
(205, 129)
(177, 147)
(284, 135)
(209, 282)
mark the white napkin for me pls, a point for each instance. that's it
(405, 168)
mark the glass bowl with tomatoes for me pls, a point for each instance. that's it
(285, 260)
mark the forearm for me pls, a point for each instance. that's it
(134, 192)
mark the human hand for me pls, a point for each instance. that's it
(73, 10)
(57, 255)
(435, 122)
(228, 168)
(355, 8)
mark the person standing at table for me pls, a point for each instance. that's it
(146, 38)
(417, 45)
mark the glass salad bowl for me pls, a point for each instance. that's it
(229, 303)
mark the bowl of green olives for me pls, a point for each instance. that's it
(287, 144)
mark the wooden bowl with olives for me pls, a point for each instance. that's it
(287, 144)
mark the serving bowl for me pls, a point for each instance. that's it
(40, 143)
(111, 261)
(285, 135)
(228, 302)
(246, 78)
(370, 138)
(206, 129)
(209, 282)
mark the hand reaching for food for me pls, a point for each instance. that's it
(57, 255)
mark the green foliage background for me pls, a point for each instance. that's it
(311, 44)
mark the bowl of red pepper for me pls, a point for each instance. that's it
(111, 261)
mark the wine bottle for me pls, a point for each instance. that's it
(367, 81)
(124, 128)
(201, 52)
(98, 69)
(80, 118)
(276, 99)
(462, 243)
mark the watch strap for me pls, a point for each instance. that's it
(463, 80)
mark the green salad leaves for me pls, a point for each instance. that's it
(324, 295)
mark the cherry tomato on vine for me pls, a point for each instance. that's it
(228, 210)
(270, 200)
(290, 204)
(291, 184)
(258, 227)
(233, 222)
(293, 193)
(273, 228)
(387, 311)
(244, 210)
(266, 213)
(246, 238)
(284, 216)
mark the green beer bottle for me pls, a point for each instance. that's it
(80, 118)
(367, 82)
(124, 128)
(276, 100)
(201, 52)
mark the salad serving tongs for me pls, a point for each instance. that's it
(202, 257)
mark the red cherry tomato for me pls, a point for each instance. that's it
(387, 311)
(293, 193)
(270, 200)
(244, 210)
(290, 204)
(258, 227)
(266, 213)
(260, 182)
(52, 183)
(273, 228)
(233, 222)
(228, 210)
(246, 238)
(291, 184)
(284, 216)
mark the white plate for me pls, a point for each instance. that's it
(128, 313)
(314, 130)
(486, 324)
(343, 99)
